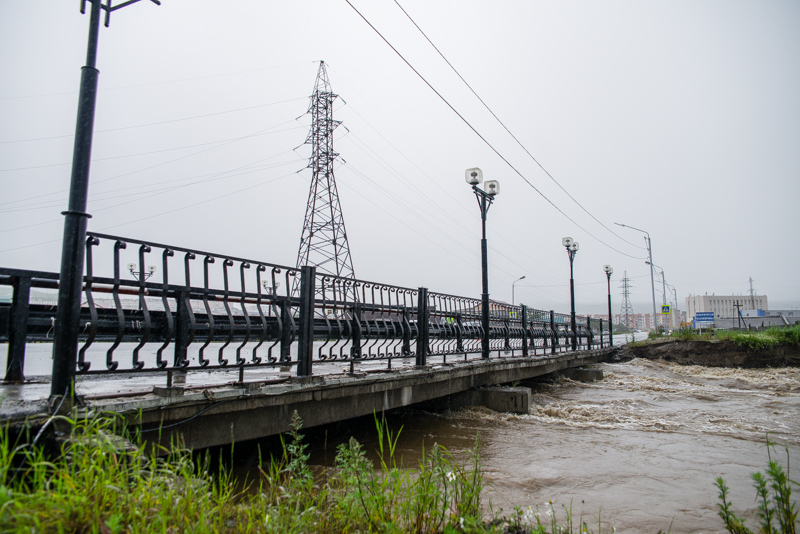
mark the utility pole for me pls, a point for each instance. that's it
(738, 312)
(65, 337)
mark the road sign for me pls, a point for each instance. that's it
(666, 309)
(703, 319)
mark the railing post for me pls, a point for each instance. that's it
(545, 337)
(184, 333)
(601, 333)
(525, 331)
(406, 332)
(305, 348)
(459, 332)
(18, 329)
(422, 326)
(553, 333)
(589, 333)
(355, 349)
(288, 330)
(507, 333)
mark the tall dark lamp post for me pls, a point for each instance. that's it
(608, 269)
(572, 249)
(485, 197)
(65, 337)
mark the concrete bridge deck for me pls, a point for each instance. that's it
(218, 413)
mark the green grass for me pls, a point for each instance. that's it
(766, 339)
(94, 484)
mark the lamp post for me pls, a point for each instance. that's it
(65, 337)
(608, 269)
(485, 197)
(650, 255)
(663, 283)
(572, 249)
(141, 274)
(512, 288)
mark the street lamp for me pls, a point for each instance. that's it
(663, 283)
(141, 274)
(485, 197)
(609, 269)
(512, 288)
(650, 255)
(67, 329)
(572, 249)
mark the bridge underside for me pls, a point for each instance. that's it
(217, 416)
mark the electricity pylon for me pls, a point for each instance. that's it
(626, 312)
(324, 240)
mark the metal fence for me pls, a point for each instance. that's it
(149, 307)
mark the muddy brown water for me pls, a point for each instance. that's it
(642, 447)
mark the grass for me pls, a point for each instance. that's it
(96, 482)
(762, 340)
(777, 511)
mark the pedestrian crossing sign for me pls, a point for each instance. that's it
(666, 309)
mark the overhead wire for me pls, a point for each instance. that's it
(217, 145)
(180, 80)
(207, 178)
(506, 128)
(149, 152)
(458, 223)
(482, 138)
(174, 210)
(362, 145)
(134, 126)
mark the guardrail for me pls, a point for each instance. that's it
(200, 310)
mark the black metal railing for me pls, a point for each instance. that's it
(199, 310)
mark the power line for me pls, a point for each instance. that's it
(133, 126)
(179, 80)
(485, 141)
(122, 156)
(506, 128)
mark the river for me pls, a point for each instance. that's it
(642, 447)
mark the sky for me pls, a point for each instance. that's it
(679, 118)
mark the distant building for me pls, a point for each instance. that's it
(724, 305)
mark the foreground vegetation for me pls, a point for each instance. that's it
(776, 510)
(96, 484)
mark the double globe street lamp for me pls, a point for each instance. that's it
(485, 197)
(572, 249)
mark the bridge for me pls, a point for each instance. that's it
(231, 356)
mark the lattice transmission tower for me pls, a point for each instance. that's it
(626, 312)
(323, 242)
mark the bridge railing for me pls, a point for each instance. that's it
(197, 310)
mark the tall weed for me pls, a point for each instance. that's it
(776, 509)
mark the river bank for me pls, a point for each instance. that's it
(714, 353)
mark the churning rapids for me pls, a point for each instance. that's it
(643, 446)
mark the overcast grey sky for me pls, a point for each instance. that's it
(681, 118)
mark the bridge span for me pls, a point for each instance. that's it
(208, 417)
(231, 357)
